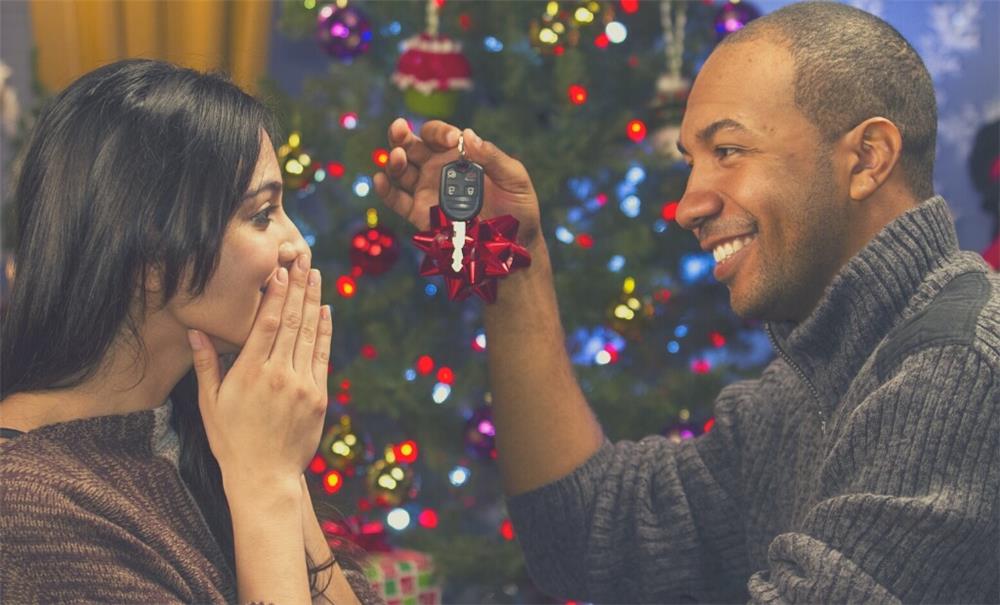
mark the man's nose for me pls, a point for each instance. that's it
(698, 205)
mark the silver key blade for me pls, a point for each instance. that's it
(458, 241)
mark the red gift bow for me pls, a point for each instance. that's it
(368, 535)
(490, 252)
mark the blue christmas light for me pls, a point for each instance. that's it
(430, 289)
(696, 267)
(635, 174)
(586, 344)
(458, 476)
(440, 392)
(581, 187)
(362, 186)
(492, 44)
(681, 331)
(624, 189)
(574, 214)
(660, 225)
(410, 375)
(631, 206)
(564, 235)
(392, 29)
(616, 263)
(673, 346)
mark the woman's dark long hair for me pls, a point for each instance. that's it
(136, 166)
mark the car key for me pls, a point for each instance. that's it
(461, 199)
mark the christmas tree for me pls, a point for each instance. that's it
(589, 96)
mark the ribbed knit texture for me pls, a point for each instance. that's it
(862, 466)
(95, 510)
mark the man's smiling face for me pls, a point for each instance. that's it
(762, 194)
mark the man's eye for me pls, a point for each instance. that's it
(263, 218)
(725, 152)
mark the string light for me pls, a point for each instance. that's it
(346, 286)
(425, 364)
(380, 157)
(636, 130)
(458, 476)
(577, 94)
(398, 519)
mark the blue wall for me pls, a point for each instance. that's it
(958, 40)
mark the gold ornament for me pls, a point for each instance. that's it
(630, 314)
(389, 483)
(341, 447)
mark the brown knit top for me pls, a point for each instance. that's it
(95, 510)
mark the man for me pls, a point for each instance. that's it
(864, 464)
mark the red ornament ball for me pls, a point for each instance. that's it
(374, 250)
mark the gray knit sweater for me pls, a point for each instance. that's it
(862, 466)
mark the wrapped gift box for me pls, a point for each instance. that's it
(404, 577)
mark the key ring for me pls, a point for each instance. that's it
(461, 146)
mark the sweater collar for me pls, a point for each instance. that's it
(866, 298)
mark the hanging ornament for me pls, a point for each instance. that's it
(298, 169)
(344, 32)
(390, 482)
(480, 434)
(432, 70)
(374, 249)
(732, 16)
(630, 315)
(341, 447)
(672, 88)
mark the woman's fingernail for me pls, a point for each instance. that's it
(324, 311)
(314, 277)
(282, 275)
(303, 262)
(195, 339)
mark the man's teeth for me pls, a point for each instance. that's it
(722, 252)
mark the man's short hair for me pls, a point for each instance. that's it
(851, 66)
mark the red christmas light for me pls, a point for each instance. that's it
(630, 6)
(662, 295)
(380, 157)
(718, 340)
(708, 425)
(335, 169)
(368, 352)
(406, 452)
(346, 286)
(558, 50)
(602, 41)
(577, 94)
(349, 120)
(343, 398)
(465, 21)
(345, 384)
(585, 241)
(601, 199)
(507, 530)
(636, 130)
(613, 352)
(700, 366)
(669, 211)
(333, 481)
(428, 518)
(425, 364)
(446, 375)
(318, 465)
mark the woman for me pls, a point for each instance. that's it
(151, 238)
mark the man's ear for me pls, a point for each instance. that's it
(874, 147)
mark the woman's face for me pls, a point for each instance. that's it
(259, 239)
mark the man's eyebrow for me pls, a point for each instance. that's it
(272, 186)
(706, 133)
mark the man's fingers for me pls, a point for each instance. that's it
(439, 136)
(400, 135)
(206, 365)
(506, 172)
(401, 202)
(321, 353)
(403, 173)
(265, 327)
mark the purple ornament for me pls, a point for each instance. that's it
(733, 16)
(480, 434)
(344, 33)
(681, 431)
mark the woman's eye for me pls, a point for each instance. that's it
(263, 218)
